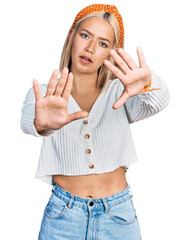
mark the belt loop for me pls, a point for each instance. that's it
(69, 204)
(105, 205)
(53, 189)
(130, 192)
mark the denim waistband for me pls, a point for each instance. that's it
(92, 203)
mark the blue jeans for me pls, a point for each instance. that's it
(70, 217)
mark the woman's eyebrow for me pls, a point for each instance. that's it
(105, 39)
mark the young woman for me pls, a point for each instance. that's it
(83, 118)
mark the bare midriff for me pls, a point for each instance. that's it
(93, 185)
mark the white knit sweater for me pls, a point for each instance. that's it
(110, 145)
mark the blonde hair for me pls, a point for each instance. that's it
(104, 74)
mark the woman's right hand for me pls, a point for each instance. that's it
(51, 110)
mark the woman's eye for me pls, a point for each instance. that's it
(84, 35)
(103, 44)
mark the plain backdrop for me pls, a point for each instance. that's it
(32, 37)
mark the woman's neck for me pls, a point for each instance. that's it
(83, 83)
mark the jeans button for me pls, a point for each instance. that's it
(91, 204)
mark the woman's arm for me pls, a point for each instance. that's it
(141, 91)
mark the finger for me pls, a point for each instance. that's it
(61, 83)
(37, 92)
(119, 60)
(141, 57)
(77, 115)
(127, 58)
(68, 87)
(51, 84)
(118, 73)
(122, 99)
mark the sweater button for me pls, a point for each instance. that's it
(88, 151)
(91, 165)
(91, 204)
(85, 121)
(86, 135)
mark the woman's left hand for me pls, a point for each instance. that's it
(134, 78)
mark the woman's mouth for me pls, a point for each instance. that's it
(85, 59)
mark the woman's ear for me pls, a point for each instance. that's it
(70, 31)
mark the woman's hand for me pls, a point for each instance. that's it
(51, 110)
(134, 78)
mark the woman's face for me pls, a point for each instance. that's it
(93, 40)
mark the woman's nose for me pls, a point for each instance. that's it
(91, 47)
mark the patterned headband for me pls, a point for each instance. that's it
(107, 8)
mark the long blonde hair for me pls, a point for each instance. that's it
(104, 74)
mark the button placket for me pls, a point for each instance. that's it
(88, 146)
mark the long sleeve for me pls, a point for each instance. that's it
(28, 113)
(149, 103)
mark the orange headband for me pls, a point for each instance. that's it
(107, 8)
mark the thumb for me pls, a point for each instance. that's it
(78, 115)
(121, 100)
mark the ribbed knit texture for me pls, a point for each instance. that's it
(64, 151)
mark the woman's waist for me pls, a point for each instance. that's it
(93, 185)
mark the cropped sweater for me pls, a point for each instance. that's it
(100, 142)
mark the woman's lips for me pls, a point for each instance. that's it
(84, 60)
